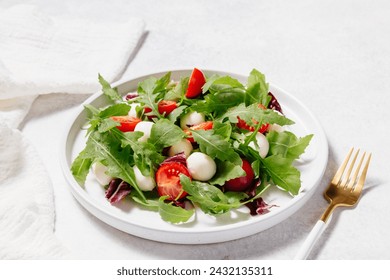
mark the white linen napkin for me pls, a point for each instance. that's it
(38, 55)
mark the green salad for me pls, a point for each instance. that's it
(211, 143)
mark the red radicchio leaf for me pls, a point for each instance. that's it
(259, 207)
(179, 158)
(274, 104)
(131, 95)
(117, 190)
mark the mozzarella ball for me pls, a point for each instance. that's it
(201, 166)
(100, 173)
(182, 146)
(133, 111)
(191, 119)
(262, 144)
(145, 183)
(146, 128)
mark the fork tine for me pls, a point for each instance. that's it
(362, 179)
(347, 180)
(352, 181)
(337, 177)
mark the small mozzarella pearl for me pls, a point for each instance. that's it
(133, 112)
(182, 146)
(201, 166)
(262, 143)
(145, 183)
(100, 173)
(146, 128)
(191, 119)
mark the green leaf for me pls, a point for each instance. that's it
(215, 146)
(173, 214)
(162, 83)
(120, 109)
(175, 114)
(223, 129)
(80, 167)
(253, 115)
(149, 91)
(257, 89)
(107, 124)
(91, 109)
(107, 148)
(216, 83)
(108, 91)
(225, 172)
(210, 198)
(178, 91)
(145, 155)
(283, 173)
(151, 204)
(287, 144)
(165, 133)
(218, 103)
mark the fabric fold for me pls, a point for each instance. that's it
(40, 54)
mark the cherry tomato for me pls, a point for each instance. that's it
(202, 126)
(168, 180)
(166, 107)
(127, 123)
(195, 84)
(241, 183)
(243, 125)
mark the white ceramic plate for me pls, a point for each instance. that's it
(133, 219)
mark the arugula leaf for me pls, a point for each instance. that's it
(225, 172)
(175, 114)
(111, 93)
(149, 91)
(287, 144)
(253, 115)
(178, 91)
(99, 119)
(173, 214)
(107, 124)
(210, 198)
(120, 109)
(283, 173)
(106, 148)
(219, 102)
(145, 155)
(215, 146)
(151, 204)
(80, 167)
(216, 83)
(165, 133)
(223, 129)
(257, 89)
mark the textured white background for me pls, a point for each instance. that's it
(332, 55)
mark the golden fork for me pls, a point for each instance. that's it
(344, 190)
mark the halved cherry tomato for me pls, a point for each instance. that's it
(127, 123)
(202, 126)
(166, 107)
(241, 183)
(168, 180)
(195, 84)
(243, 125)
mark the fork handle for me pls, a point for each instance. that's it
(314, 235)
